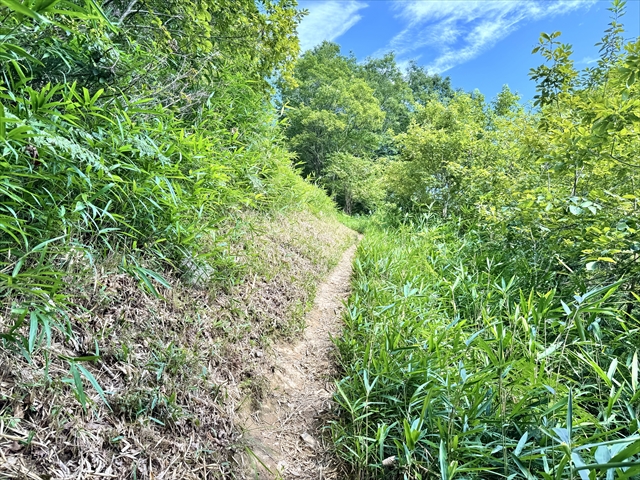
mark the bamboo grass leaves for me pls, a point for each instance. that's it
(125, 139)
(456, 372)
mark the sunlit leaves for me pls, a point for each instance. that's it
(120, 142)
(332, 110)
(530, 393)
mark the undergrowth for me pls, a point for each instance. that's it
(141, 163)
(115, 152)
(454, 368)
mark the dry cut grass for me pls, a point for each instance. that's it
(172, 371)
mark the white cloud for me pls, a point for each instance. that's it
(588, 61)
(404, 65)
(327, 20)
(458, 31)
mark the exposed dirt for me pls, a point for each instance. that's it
(173, 369)
(283, 431)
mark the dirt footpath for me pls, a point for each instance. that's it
(283, 431)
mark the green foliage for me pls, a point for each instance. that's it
(358, 223)
(332, 111)
(441, 145)
(391, 89)
(586, 151)
(555, 82)
(559, 183)
(337, 107)
(451, 370)
(355, 182)
(131, 133)
(493, 326)
(426, 87)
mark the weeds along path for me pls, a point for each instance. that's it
(283, 428)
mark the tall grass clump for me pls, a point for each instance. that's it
(453, 368)
(131, 139)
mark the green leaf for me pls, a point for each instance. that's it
(524, 470)
(577, 461)
(20, 52)
(17, 268)
(46, 325)
(41, 245)
(521, 444)
(570, 415)
(602, 454)
(33, 331)
(3, 127)
(574, 209)
(101, 13)
(634, 372)
(627, 452)
(596, 368)
(444, 465)
(45, 5)
(22, 9)
(95, 384)
(79, 388)
(146, 275)
(612, 369)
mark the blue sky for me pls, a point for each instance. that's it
(481, 44)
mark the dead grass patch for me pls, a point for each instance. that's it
(173, 370)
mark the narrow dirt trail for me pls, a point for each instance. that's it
(283, 431)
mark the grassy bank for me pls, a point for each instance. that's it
(148, 385)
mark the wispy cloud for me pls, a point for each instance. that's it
(327, 20)
(458, 31)
(588, 61)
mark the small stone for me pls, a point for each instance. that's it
(309, 440)
(387, 462)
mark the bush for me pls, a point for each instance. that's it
(127, 139)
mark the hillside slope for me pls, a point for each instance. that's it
(169, 372)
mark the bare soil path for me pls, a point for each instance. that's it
(283, 432)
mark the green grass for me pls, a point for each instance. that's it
(452, 370)
(359, 223)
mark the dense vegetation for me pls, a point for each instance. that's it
(494, 324)
(343, 118)
(493, 328)
(132, 132)
(139, 146)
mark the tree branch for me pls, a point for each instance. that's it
(127, 12)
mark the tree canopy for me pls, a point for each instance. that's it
(338, 107)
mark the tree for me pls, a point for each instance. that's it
(355, 182)
(506, 102)
(330, 110)
(442, 154)
(426, 87)
(391, 90)
(587, 150)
